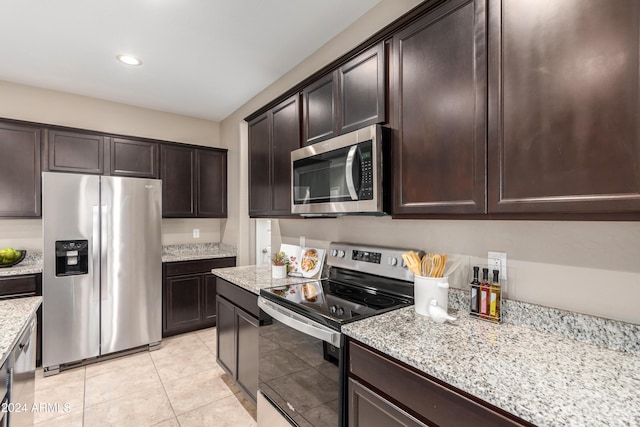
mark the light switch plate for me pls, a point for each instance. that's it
(196, 233)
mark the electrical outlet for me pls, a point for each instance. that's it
(196, 233)
(497, 261)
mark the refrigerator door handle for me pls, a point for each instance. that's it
(104, 239)
(95, 255)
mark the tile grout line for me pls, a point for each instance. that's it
(153, 362)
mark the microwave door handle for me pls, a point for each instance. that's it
(299, 323)
(349, 172)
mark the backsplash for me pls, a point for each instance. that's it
(577, 266)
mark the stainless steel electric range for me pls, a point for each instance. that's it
(301, 368)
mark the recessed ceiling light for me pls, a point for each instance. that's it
(129, 60)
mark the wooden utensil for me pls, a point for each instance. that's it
(413, 262)
(427, 265)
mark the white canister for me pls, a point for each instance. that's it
(278, 271)
(429, 288)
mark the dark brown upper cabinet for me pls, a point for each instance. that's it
(564, 106)
(178, 170)
(130, 157)
(260, 166)
(349, 98)
(438, 81)
(20, 171)
(194, 182)
(272, 138)
(320, 109)
(211, 183)
(361, 89)
(76, 152)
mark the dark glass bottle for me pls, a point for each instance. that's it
(475, 290)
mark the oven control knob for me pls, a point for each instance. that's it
(341, 254)
(333, 308)
(404, 264)
(334, 252)
(340, 311)
(393, 261)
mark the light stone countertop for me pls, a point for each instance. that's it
(14, 316)
(190, 252)
(32, 264)
(543, 378)
(254, 277)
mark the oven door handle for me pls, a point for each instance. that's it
(349, 172)
(300, 323)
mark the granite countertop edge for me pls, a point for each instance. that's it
(14, 319)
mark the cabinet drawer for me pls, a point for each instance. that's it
(20, 285)
(244, 299)
(197, 266)
(428, 399)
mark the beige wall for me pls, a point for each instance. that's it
(589, 267)
(28, 103)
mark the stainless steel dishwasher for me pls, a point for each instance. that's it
(22, 378)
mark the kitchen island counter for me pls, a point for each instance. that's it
(543, 378)
(14, 318)
(254, 277)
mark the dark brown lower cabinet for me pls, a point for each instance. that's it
(385, 392)
(237, 335)
(367, 408)
(188, 294)
(27, 285)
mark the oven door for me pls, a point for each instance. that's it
(337, 176)
(300, 369)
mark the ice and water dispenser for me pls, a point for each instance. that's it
(72, 257)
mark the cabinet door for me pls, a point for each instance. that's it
(226, 336)
(183, 302)
(367, 409)
(209, 300)
(361, 85)
(134, 158)
(564, 106)
(319, 110)
(76, 152)
(20, 170)
(247, 352)
(259, 167)
(212, 183)
(439, 86)
(285, 138)
(178, 173)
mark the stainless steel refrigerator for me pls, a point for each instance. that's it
(102, 266)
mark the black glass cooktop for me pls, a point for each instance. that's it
(334, 303)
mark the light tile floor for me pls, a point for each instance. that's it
(179, 385)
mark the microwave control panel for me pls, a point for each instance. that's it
(366, 188)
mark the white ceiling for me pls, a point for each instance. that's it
(201, 58)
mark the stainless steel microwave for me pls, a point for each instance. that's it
(342, 175)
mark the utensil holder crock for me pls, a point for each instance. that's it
(430, 288)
